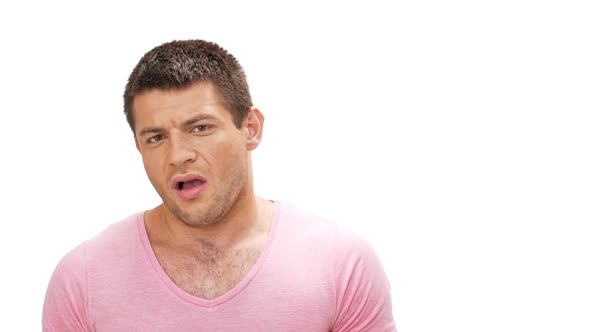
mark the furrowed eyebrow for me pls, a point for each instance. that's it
(151, 130)
(197, 119)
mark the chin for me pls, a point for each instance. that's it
(191, 215)
(210, 207)
(196, 214)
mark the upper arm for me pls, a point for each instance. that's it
(66, 300)
(363, 300)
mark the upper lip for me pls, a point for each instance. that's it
(185, 177)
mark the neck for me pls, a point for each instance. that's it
(248, 218)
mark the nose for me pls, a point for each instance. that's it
(181, 151)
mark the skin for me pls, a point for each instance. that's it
(222, 231)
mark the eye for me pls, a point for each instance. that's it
(155, 139)
(200, 128)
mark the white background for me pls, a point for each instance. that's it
(453, 135)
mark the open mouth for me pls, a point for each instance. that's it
(181, 185)
(189, 186)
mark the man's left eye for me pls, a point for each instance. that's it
(200, 128)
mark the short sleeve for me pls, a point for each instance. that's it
(66, 300)
(363, 295)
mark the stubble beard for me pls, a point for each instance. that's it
(201, 214)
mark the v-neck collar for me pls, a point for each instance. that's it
(149, 251)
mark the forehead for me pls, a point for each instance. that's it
(168, 105)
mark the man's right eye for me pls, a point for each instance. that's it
(154, 139)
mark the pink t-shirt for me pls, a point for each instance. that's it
(311, 276)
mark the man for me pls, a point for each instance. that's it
(213, 256)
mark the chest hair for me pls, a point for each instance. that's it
(208, 272)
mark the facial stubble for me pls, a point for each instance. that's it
(203, 213)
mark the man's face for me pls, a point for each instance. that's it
(193, 154)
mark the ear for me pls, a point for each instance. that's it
(252, 128)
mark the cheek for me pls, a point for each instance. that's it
(153, 168)
(227, 158)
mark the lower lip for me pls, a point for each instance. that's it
(191, 193)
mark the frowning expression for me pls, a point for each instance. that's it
(193, 153)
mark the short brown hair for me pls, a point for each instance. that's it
(180, 63)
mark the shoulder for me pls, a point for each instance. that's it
(67, 299)
(118, 231)
(363, 292)
(73, 267)
(115, 240)
(342, 241)
(300, 222)
(352, 248)
(341, 247)
(360, 287)
(116, 235)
